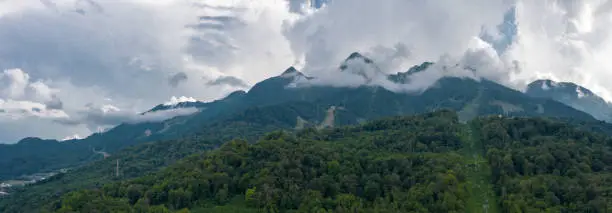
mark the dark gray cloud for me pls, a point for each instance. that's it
(55, 103)
(177, 78)
(107, 50)
(229, 81)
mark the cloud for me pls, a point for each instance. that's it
(15, 110)
(21, 98)
(328, 35)
(72, 137)
(389, 58)
(175, 100)
(130, 54)
(102, 117)
(512, 42)
(564, 41)
(229, 81)
(357, 73)
(406, 34)
(54, 103)
(93, 51)
(177, 78)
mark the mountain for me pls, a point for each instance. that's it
(311, 165)
(162, 107)
(362, 66)
(142, 159)
(424, 163)
(572, 95)
(404, 77)
(269, 105)
(321, 106)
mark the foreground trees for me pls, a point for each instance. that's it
(405, 164)
(544, 166)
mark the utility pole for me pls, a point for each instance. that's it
(117, 169)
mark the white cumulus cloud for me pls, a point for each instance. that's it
(57, 56)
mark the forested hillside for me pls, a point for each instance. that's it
(139, 160)
(424, 163)
(544, 166)
(397, 164)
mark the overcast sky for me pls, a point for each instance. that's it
(70, 67)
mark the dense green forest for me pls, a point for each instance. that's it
(134, 161)
(424, 163)
(399, 164)
(543, 166)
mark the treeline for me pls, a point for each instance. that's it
(543, 166)
(407, 164)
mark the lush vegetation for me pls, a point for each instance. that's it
(406, 164)
(426, 163)
(543, 166)
(135, 161)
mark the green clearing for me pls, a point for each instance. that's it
(478, 173)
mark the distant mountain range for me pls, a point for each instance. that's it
(273, 102)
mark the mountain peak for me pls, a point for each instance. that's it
(403, 77)
(235, 94)
(560, 87)
(572, 95)
(362, 66)
(357, 55)
(419, 68)
(33, 140)
(290, 70)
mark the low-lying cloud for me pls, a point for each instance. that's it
(96, 118)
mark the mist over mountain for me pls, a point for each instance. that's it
(81, 58)
(305, 106)
(307, 103)
(573, 95)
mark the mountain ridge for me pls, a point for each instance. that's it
(467, 96)
(572, 95)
